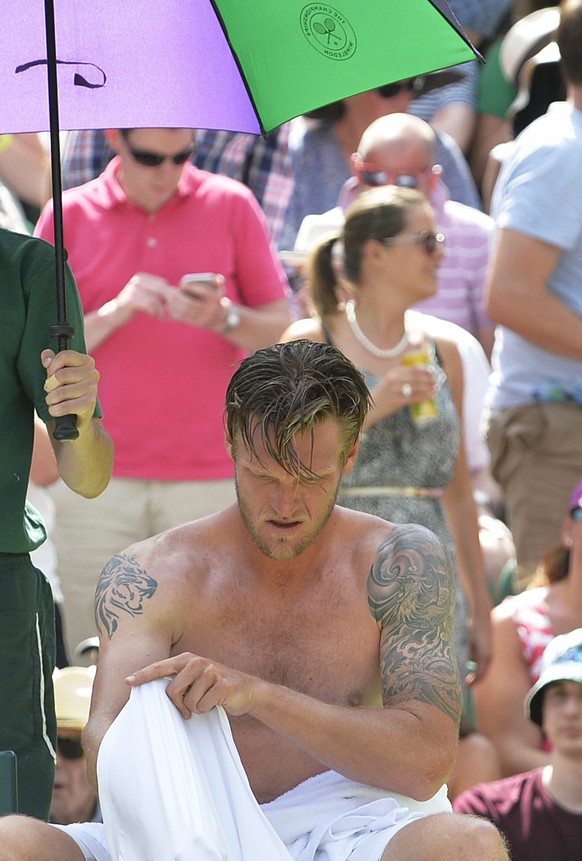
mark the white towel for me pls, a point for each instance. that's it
(333, 818)
(175, 790)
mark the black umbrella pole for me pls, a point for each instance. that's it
(65, 426)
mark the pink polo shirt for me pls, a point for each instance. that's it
(163, 382)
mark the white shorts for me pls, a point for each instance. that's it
(172, 789)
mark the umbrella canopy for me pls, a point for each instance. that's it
(240, 65)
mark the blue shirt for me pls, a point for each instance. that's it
(539, 194)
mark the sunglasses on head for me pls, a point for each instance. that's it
(70, 748)
(428, 241)
(154, 159)
(576, 513)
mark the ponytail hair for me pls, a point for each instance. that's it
(555, 566)
(324, 278)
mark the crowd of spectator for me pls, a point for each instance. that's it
(431, 230)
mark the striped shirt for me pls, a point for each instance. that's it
(463, 270)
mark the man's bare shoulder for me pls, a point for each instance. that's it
(153, 576)
(370, 535)
(197, 541)
(368, 527)
(169, 549)
(360, 520)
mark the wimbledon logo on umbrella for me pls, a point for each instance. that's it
(328, 31)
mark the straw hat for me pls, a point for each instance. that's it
(72, 686)
(313, 230)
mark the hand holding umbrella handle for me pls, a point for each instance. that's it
(65, 426)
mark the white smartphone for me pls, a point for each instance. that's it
(209, 278)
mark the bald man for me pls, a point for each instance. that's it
(400, 149)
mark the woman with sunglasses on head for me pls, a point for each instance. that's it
(522, 626)
(411, 465)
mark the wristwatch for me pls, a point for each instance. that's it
(232, 318)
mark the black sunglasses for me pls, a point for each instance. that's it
(576, 513)
(70, 748)
(154, 159)
(411, 85)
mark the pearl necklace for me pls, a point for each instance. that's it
(378, 352)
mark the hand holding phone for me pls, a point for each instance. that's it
(197, 300)
(193, 281)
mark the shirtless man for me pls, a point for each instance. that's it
(299, 618)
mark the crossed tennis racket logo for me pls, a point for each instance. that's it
(327, 29)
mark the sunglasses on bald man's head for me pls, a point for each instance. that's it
(375, 176)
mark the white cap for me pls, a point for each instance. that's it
(561, 661)
(527, 45)
(313, 230)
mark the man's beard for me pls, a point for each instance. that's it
(281, 550)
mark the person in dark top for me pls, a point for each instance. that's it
(540, 811)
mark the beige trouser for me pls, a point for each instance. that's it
(88, 532)
(536, 456)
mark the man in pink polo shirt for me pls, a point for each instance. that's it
(166, 344)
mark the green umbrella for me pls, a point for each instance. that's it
(294, 56)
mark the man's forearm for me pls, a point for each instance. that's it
(518, 295)
(409, 749)
(99, 325)
(260, 327)
(85, 464)
(546, 322)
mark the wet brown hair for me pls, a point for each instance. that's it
(290, 388)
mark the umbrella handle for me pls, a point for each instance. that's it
(65, 426)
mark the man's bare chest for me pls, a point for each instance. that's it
(323, 644)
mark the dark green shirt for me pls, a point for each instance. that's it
(28, 310)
